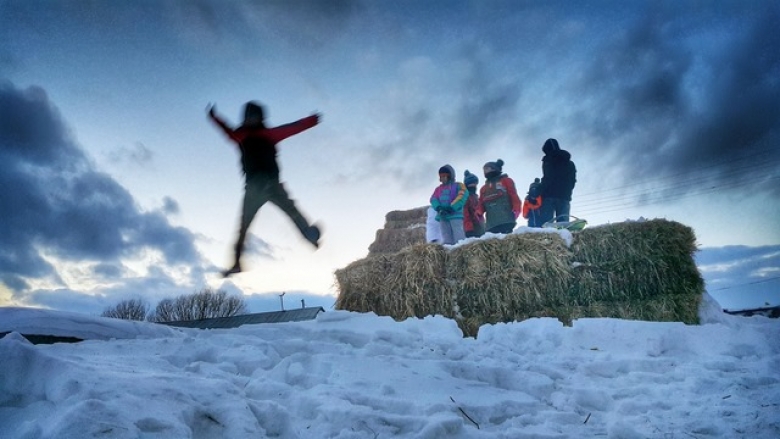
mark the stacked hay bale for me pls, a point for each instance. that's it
(402, 229)
(635, 270)
(509, 279)
(408, 283)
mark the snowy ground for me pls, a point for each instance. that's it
(349, 375)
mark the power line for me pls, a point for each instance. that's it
(747, 283)
(654, 197)
(736, 176)
(752, 165)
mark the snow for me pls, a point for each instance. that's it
(351, 375)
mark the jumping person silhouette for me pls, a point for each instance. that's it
(257, 144)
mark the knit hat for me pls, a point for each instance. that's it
(495, 166)
(535, 188)
(470, 179)
(253, 109)
(550, 145)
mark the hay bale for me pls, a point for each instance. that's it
(409, 283)
(506, 279)
(407, 215)
(402, 229)
(415, 285)
(394, 240)
(359, 283)
(636, 270)
(634, 260)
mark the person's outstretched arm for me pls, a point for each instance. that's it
(221, 123)
(282, 132)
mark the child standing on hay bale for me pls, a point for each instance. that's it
(473, 223)
(532, 206)
(448, 200)
(498, 199)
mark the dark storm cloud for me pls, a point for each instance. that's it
(55, 201)
(680, 95)
(303, 24)
(170, 206)
(487, 104)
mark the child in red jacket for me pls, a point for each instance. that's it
(498, 199)
(257, 144)
(473, 223)
(532, 206)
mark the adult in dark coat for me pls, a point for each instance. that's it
(559, 175)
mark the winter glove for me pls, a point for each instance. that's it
(447, 210)
(439, 209)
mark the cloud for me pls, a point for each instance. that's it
(686, 97)
(137, 155)
(740, 276)
(300, 24)
(259, 247)
(55, 202)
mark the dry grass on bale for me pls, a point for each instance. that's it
(359, 283)
(409, 283)
(403, 219)
(415, 285)
(637, 270)
(394, 240)
(511, 278)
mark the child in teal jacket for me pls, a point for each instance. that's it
(448, 200)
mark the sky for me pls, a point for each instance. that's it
(116, 185)
(350, 375)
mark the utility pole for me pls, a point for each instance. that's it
(281, 299)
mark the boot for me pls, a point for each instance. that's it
(312, 234)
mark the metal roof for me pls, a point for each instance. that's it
(292, 315)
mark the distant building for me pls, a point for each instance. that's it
(771, 312)
(292, 315)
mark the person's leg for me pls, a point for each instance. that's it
(255, 195)
(281, 198)
(563, 209)
(446, 232)
(503, 228)
(546, 211)
(457, 230)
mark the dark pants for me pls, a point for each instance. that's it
(535, 217)
(554, 208)
(503, 228)
(259, 190)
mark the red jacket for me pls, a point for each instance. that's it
(531, 204)
(470, 213)
(258, 143)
